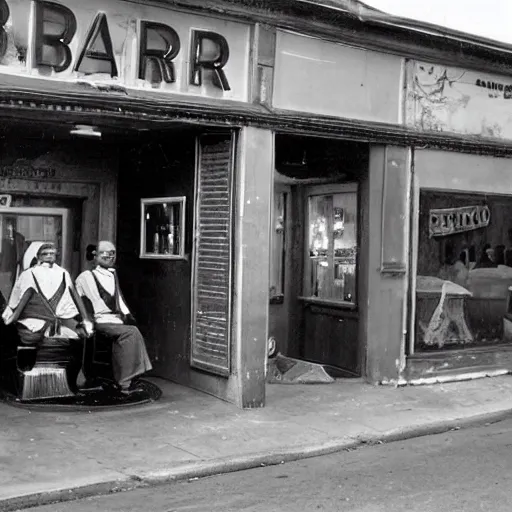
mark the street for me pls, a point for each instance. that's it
(465, 470)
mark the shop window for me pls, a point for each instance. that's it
(162, 228)
(332, 246)
(278, 239)
(464, 271)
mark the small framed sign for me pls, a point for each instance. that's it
(5, 200)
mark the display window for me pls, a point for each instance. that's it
(464, 270)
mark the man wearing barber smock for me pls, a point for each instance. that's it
(44, 302)
(100, 292)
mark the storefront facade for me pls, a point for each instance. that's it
(261, 178)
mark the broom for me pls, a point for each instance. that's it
(45, 382)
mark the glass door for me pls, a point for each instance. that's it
(19, 227)
(329, 298)
(332, 244)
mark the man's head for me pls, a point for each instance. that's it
(47, 253)
(105, 254)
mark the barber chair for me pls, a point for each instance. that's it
(48, 370)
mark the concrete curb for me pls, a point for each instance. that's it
(220, 466)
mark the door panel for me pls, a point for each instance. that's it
(331, 337)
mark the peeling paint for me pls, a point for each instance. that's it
(448, 99)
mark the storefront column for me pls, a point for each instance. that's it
(387, 194)
(251, 278)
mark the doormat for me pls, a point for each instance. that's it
(286, 370)
(98, 398)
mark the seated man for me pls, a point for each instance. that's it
(44, 303)
(100, 291)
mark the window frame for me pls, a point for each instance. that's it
(285, 192)
(149, 201)
(330, 189)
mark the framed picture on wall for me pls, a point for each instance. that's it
(162, 228)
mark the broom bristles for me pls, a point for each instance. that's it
(45, 382)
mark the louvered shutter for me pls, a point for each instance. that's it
(212, 262)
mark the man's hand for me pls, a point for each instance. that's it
(88, 327)
(7, 315)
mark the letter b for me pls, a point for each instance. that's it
(4, 16)
(55, 27)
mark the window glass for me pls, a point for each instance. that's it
(277, 260)
(332, 241)
(464, 271)
(19, 230)
(162, 228)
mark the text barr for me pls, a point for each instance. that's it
(159, 44)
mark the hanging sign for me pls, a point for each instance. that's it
(448, 221)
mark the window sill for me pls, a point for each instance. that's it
(338, 304)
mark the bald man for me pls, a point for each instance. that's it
(100, 291)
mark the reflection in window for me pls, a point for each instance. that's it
(18, 231)
(277, 260)
(332, 243)
(162, 227)
(464, 272)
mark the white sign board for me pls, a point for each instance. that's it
(126, 45)
(448, 99)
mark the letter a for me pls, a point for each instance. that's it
(97, 55)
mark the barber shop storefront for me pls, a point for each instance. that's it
(118, 124)
(256, 191)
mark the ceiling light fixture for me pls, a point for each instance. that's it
(85, 130)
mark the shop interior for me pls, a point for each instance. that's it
(315, 259)
(464, 273)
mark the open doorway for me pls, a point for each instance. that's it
(315, 290)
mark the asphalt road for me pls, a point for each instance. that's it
(466, 470)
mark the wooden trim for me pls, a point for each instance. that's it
(335, 304)
(127, 112)
(452, 363)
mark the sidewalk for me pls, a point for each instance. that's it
(51, 456)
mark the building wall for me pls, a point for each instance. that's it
(387, 286)
(76, 170)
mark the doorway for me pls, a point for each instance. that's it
(315, 290)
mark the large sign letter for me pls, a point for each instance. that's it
(4, 16)
(209, 51)
(159, 45)
(97, 55)
(55, 27)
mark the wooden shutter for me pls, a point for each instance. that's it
(212, 260)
